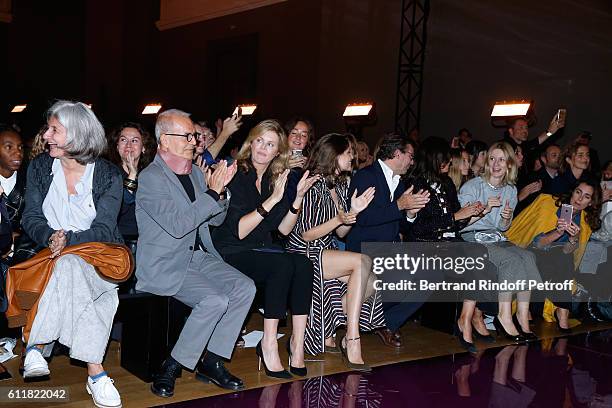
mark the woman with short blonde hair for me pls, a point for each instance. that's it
(496, 190)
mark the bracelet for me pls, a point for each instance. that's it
(294, 210)
(262, 211)
(130, 184)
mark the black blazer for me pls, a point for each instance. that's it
(381, 220)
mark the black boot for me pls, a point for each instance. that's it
(163, 384)
(211, 370)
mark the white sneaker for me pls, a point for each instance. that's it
(103, 392)
(35, 364)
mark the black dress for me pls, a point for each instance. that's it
(285, 278)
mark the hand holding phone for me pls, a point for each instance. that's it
(558, 121)
(567, 212)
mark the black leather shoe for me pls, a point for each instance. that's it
(216, 373)
(163, 384)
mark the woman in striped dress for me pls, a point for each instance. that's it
(343, 281)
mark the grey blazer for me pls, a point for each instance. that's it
(167, 222)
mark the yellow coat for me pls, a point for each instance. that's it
(541, 217)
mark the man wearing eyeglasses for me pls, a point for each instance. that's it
(176, 203)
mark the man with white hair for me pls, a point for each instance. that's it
(175, 206)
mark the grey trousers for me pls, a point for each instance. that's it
(513, 263)
(220, 297)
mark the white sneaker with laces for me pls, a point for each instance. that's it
(35, 364)
(103, 392)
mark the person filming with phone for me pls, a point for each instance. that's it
(558, 228)
(518, 134)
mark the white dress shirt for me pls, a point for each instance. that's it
(393, 181)
(70, 212)
(8, 184)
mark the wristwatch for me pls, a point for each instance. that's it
(549, 133)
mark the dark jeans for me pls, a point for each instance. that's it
(555, 266)
(286, 279)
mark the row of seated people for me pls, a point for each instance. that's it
(205, 236)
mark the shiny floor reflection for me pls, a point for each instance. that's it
(575, 371)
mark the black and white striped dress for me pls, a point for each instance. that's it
(326, 313)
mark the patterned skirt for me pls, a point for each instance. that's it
(326, 314)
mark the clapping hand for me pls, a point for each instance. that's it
(492, 202)
(413, 201)
(358, 204)
(506, 212)
(305, 183)
(221, 177)
(469, 210)
(346, 218)
(530, 189)
(279, 186)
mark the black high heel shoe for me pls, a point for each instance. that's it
(487, 339)
(283, 374)
(470, 347)
(561, 329)
(529, 336)
(499, 327)
(299, 371)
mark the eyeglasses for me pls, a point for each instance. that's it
(188, 136)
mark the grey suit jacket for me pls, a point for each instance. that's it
(167, 223)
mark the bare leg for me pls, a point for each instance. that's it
(465, 320)
(94, 369)
(354, 269)
(563, 316)
(297, 340)
(505, 313)
(479, 324)
(269, 345)
(522, 312)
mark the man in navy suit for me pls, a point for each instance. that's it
(393, 205)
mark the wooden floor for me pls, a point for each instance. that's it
(419, 343)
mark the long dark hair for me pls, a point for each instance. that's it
(290, 124)
(432, 154)
(593, 211)
(474, 148)
(148, 143)
(323, 157)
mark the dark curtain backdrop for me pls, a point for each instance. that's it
(556, 52)
(313, 57)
